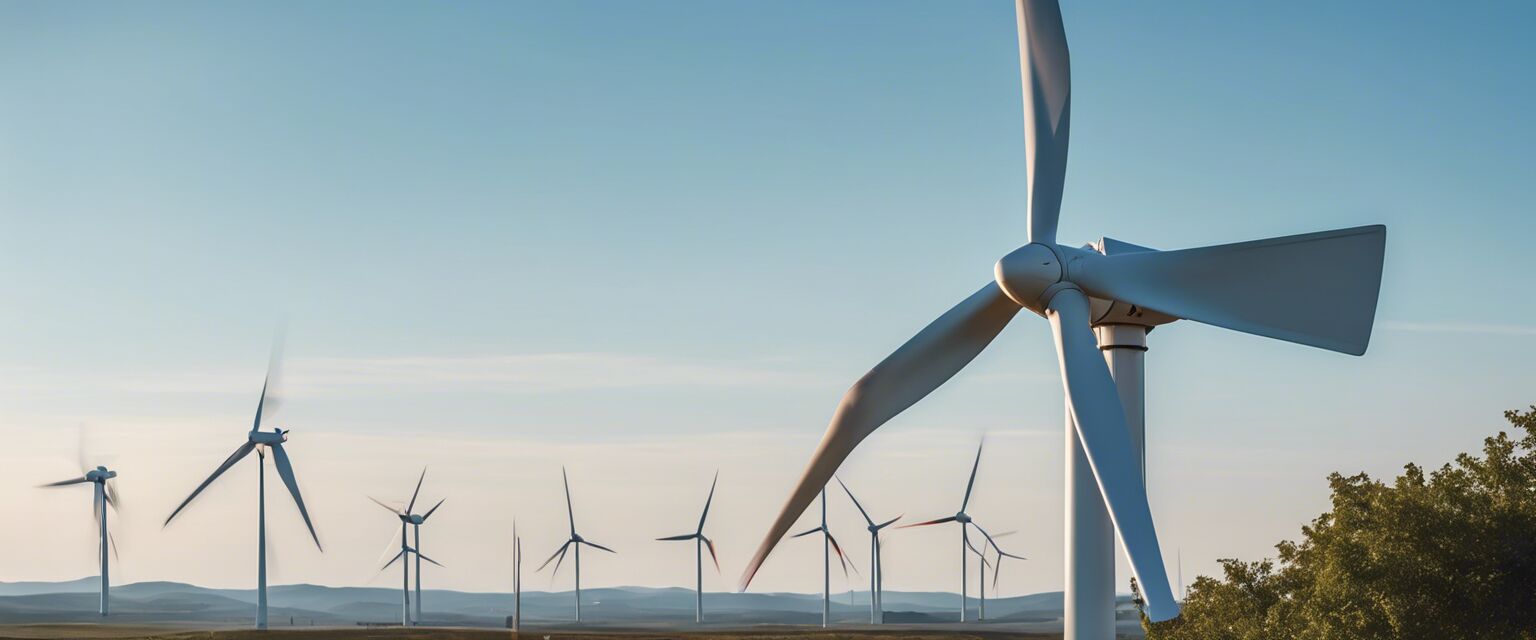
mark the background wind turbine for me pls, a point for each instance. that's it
(964, 520)
(408, 516)
(828, 544)
(104, 486)
(876, 577)
(981, 574)
(261, 441)
(699, 542)
(517, 578)
(574, 541)
(1316, 289)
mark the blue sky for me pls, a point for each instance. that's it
(649, 239)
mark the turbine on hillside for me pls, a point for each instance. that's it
(699, 542)
(997, 566)
(964, 520)
(260, 442)
(1316, 289)
(574, 541)
(828, 544)
(876, 575)
(981, 574)
(408, 516)
(104, 486)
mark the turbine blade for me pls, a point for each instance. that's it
(686, 536)
(924, 524)
(272, 382)
(973, 548)
(1316, 289)
(424, 557)
(392, 560)
(888, 523)
(996, 569)
(411, 508)
(112, 542)
(111, 494)
(596, 545)
(710, 544)
(570, 511)
(804, 534)
(63, 483)
(914, 370)
(558, 552)
(285, 470)
(243, 451)
(429, 512)
(708, 501)
(1047, 83)
(1102, 430)
(971, 484)
(842, 557)
(862, 512)
(386, 507)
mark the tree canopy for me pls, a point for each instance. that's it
(1450, 554)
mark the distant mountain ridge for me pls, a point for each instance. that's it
(657, 607)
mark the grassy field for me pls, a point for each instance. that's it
(766, 633)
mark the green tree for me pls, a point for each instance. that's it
(1447, 555)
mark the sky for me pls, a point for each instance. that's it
(650, 241)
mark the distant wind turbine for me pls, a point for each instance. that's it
(105, 495)
(965, 522)
(981, 574)
(876, 576)
(699, 542)
(415, 520)
(517, 578)
(574, 541)
(261, 441)
(828, 544)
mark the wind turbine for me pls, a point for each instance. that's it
(574, 541)
(965, 520)
(828, 544)
(260, 442)
(104, 487)
(1316, 289)
(409, 517)
(876, 576)
(981, 574)
(517, 578)
(699, 542)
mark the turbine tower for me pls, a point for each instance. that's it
(574, 541)
(965, 520)
(1316, 289)
(408, 516)
(876, 575)
(699, 542)
(517, 578)
(260, 442)
(104, 487)
(828, 544)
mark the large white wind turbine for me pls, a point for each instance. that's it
(574, 541)
(828, 544)
(104, 485)
(964, 519)
(699, 542)
(876, 575)
(260, 442)
(1315, 289)
(408, 516)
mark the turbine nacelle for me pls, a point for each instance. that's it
(100, 474)
(275, 436)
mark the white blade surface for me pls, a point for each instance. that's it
(918, 367)
(1316, 289)
(1106, 439)
(243, 451)
(285, 470)
(1043, 61)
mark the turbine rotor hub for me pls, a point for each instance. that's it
(962, 518)
(1027, 274)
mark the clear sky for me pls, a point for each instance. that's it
(650, 240)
